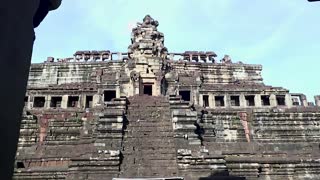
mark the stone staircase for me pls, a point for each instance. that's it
(149, 147)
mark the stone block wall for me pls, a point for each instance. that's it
(286, 127)
(29, 130)
(59, 144)
(222, 73)
(44, 75)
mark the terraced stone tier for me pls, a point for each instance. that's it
(286, 126)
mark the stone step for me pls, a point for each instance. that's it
(150, 122)
(149, 151)
(155, 157)
(148, 146)
(150, 128)
(135, 137)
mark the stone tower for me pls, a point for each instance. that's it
(146, 40)
(148, 56)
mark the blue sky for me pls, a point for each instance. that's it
(282, 35)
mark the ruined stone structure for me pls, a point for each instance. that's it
(152, 113)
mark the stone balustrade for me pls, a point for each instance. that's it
(195, 56)
(91, 56)
(111, 123)
(184, 121)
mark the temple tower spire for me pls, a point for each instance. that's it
(146, 40)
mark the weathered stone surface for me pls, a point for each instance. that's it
(145, 113)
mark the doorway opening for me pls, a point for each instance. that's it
(39, 102)
(281, 100)
(265, 100)
(205, 99)
(249, 100)
(219, 101)
(56, 102)
(185, 95)
(89, 101)
(235, 100)
(73, 101)
(109, 95)
(147, 89)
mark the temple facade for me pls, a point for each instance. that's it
(150, 113)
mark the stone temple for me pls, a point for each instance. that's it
(150, 113)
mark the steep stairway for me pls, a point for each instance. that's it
(148, 148)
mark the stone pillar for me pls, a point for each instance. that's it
(201, 100)
(212, 103)
(31, 101)
(317, 100)
(80, 101)
(28, 103)
(257, 100)
(95, 100)
(48, 102)
(117, 91)
(304, 100)
(64, 102)
(273, 100)
(288, 100)
(227, 101)
(242, 101)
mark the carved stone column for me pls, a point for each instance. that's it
(47, 102)
(243, 101)
(212, 103)
(288, 100)
(304, 100)
(227, 100)
(64, 102)
(257, 100)
(273, 100)
(95, 100)
(201, 103)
